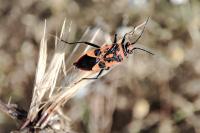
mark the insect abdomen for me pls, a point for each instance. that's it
(86, 62)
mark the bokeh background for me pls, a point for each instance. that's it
(145, 94)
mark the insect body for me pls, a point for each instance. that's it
(102, 58)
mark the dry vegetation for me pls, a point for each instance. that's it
(146, 94)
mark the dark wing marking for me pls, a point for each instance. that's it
(86, 62)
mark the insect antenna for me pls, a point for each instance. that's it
(142, 50)
(141, 32)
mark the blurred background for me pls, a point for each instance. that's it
(145, 94)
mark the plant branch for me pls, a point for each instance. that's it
(13, 111)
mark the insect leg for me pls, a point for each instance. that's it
(113, 46)
(124, 45)
(124, 38)
(99, 74)
(87, 43)
(115, 38)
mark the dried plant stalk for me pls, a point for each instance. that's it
(45, 81)
(68, 90)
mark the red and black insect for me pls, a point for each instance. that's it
(102, 58)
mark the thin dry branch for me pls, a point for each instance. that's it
(13, 111)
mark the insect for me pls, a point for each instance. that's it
(102, 58)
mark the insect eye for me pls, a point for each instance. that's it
(97, 52)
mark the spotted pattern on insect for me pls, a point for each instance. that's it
(102, 58)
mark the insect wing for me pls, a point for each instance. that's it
(86, 62)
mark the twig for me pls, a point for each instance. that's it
(13, 111)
